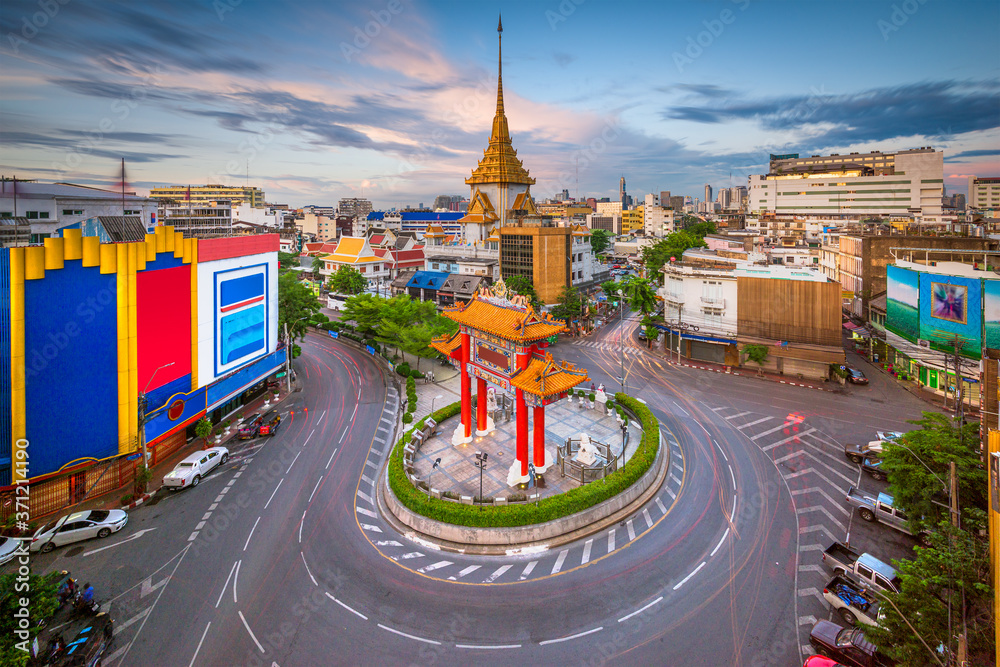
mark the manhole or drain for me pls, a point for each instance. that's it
(75, 551)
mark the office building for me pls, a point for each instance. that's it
(984, 193)
(708, 193)
(354, 207)
(203, 194)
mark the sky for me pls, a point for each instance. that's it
(393, 99)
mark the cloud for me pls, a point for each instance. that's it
(987, 152)
(939, 109)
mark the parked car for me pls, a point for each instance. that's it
(846, 645)
(851, 601)
(873, 466)
(269, 423)
(250, 427)
(889, 435)
(881, 509)
(190, 471)
(8, 548)
(855, 376)
(77, 527)
(859, 452)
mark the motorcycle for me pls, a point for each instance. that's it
(82, 607)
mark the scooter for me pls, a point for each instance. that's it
(83, 608)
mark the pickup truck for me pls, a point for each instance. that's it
(858, 453)
(851, 601)
(873, 467)
(880, 508)
(869, 570)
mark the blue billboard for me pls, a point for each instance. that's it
(951, 306)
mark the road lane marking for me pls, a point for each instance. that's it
(308, 436)
(639, 611)
(754, 423)
(369, 463)
(784, 425)
(733, 476)
(412, 554)
(680, 408)
(301, 523)
(388, 543)
(362, 510)
(358, 613)
(631, 530)
(374, 529)
(434, 566)
(307, 569)
(497, 573)
(475, 646)
(403, 634)
(331, 458)
(142, 614)
(527, 570)
(368, 479)
(343, 434)
(736, 416)
(659, 503)
(586, 551)
(675, 478)
(251, 533)
(272, 493)
(198, 648)
(685, 579)
(323, 414)
(245, 625)
(468, 570)
(236, 578)
(566, 639)
(645, 515)
(293, 462)
(201, 524)
(785, 441)
(673, 496)
(611, 540)
(314, 490)
(559, 561)
(207, 515)
(364, 496)
(717, 546)
(223, 591)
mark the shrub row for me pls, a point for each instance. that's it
(547, 509)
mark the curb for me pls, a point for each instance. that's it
(136, 503)
(729, 371)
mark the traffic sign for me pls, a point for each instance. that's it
(281, 374)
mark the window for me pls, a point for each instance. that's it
(70, 211)
(864, 572)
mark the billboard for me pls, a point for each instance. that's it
(951, 306)
(163, 327)
(237, 313)
(991, 314)
(902, 315)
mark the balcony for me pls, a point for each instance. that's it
(673, 299)
(713, 303)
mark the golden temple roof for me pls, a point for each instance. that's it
(446, 344)
(547, 377)
(502, 318)
(500, 163)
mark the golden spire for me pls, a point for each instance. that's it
(500, 163)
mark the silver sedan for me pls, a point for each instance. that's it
(77, 527)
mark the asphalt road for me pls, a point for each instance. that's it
(281, 556)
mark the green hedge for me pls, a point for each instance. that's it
(547, 509)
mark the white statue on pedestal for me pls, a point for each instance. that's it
(491, 399)
(588, 454)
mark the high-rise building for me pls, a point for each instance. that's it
(622, 194)
(708, 192)
(984, 193)
(354, 207)
(904, 184)
(723, 199)
(203, 194)
(665, 198)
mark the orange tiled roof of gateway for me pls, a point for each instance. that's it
(504, 319)
(447, 344)
(547, 377)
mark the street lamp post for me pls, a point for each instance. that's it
(142, 412)
(621, 335)
(432, 403)
(481, 464)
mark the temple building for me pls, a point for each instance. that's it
(500, 185)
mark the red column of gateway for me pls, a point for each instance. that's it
(481, 404)
(466, 387)
(522, 417)
(538, 447)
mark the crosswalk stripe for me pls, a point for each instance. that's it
(659, 503)
(527, 569)
(388, 543)
(411, 555)
(631, 530)
(586, 551)
(754, 423)
(374, 529)
(497, 573)
(121, 626)
(645, 515)
(435, 566)
(611, 540)
(673, 496)
(784, 441)
(468, 570)
(559, 561)
(736, 416)
(364, 496)
(362, 510)
(769, 431)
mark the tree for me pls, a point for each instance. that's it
(521, 285)
(957, 562)
(600, 239)
(287, 260)
(569, 306)
(700, 228)
(417, 341)
(296, 303)
(641, 295)
(937, 443)
(365, 310)
(672, 245)
(348, 280)
(42, 605)
(756, 353)
(318, 264)
(650, 330)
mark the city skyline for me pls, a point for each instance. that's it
(305, 104)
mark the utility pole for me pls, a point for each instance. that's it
(288, 359)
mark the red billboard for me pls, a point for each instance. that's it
(163, 320)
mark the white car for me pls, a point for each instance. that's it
(77, 527)
(889, 435)
(190, 471)
(8, 548)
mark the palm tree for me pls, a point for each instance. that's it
(641, 295)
